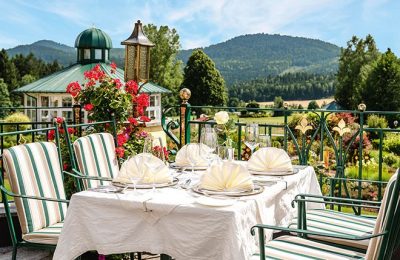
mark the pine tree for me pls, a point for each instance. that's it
(4, 98)
(204, 80)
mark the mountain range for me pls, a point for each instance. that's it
(239, 59)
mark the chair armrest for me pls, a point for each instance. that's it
(357, 180)
(335, 200)
(79, 175)
(9, 193)
(315, 233)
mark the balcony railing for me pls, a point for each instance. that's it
(308, 141)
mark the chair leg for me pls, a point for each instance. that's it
(139, 256)
(165, 257)
(14, 253)
(132, 256)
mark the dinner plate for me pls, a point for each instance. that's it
(273, 173)
(236, 193)
(213, 202)
(146, 185)
(187, 167)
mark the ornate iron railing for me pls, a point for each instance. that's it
(338, 138)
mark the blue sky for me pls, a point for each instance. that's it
(202, 22)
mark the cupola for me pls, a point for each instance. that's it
(93, 46)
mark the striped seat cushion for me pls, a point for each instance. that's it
(333, 222)
(96, 156)
(48, 235)
(295, 248)
(34, 169)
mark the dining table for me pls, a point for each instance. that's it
(177, 221)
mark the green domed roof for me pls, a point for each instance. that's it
(93, 38)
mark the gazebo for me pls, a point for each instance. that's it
(93, 47)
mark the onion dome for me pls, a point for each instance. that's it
(93, 46)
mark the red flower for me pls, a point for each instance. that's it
(144, 119)
(51, 135)
(88, 107)
(94, 74)
(143, 100)
(65, 166)
(61, 130)
(113, 67)
(71, 131)
(117, 83)
(131, 87)
(133, 121)
(74, 88)
(59, 120)
(122, 138)
(120, 151)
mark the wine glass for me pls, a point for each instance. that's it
(192, 154)
(209, 138)
(264, 140)
(251, 139)
(148, 145)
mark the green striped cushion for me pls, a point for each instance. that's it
(34, 169)
(48, 235)
(295, 248)
(96, 156)
(333, 222)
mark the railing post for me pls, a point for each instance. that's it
(77, 112)
(361, 107)
(285, 133)
(184, 115)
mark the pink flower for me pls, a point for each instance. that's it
(144, 119)
(71, 130)
(74, 88)
(51, 135)
(113, 67)
(88, 107)
(122, 138)
(117, 83)
(120, 151)
(59, 120)
(131, 87)
(133, 121)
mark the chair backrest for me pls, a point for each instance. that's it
(34, 169)
(388, 216)
(95, 155)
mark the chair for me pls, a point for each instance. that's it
(93, 156)
(382, 242)
(34, 171)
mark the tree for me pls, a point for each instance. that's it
(4, 98)
(313, 105)
(165, 69)
(382, 87)
(278, 104)
(354, 64)
(204, 80)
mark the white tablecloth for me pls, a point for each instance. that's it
(174, 223)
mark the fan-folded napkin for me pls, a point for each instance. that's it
(226, 176)
(147, 166)
(270, 159)
(198, 152)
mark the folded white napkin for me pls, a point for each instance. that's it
(146, 166)
(270, 159)
(198, 151)
(226, 176)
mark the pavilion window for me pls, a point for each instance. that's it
(44, 101)
(67, 102)
(106, 55)
(86, 54)
(97, 54)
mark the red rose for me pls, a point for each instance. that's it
(117, 83)
(120, 151)
(51, 134)
(144, 119)
(59, 120)
(71, 131)
(131, 87)
(133, 121)
(88, 107)
(113, 67)
(74, 88)
(122, 138)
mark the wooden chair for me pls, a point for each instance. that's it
(34, 171)
(382, 241)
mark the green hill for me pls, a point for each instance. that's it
(242, 58)
(254, 56)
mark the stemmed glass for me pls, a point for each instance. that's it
(251, 139)
(208, 138)
(148, 145)
(264, 140)
(192, 154)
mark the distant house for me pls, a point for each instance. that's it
(93, 47)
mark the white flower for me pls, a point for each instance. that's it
(221, 117)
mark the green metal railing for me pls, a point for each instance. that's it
(301, 138)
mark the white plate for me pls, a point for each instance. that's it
(207, 201)
(187, 167)
(274, 173)
(146, 185)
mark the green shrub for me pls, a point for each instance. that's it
(392, 143)
(391, 160)
(370, 171)
(16, 118)
(375, 121)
